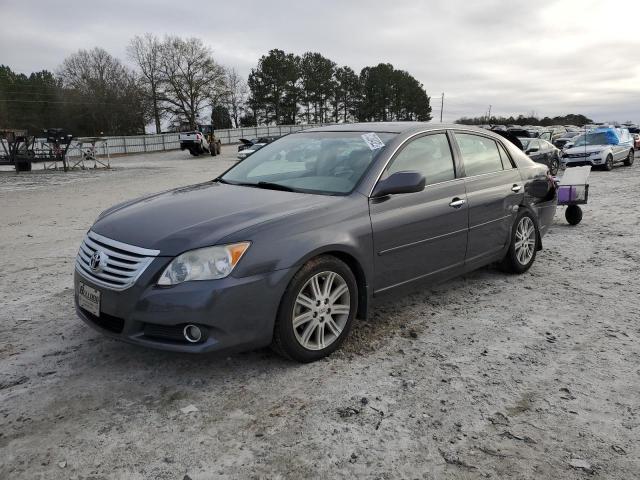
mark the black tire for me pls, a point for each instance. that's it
(218, 148)
(23, 166)
(511, 263)
(629, 160)
(284, 338)
(573, 214)
(212, 150)
(608, 164)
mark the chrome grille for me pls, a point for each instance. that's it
(119, 265)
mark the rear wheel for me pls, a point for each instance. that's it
(524, 244)
(629, 160)
(316, 311)
(608, 164)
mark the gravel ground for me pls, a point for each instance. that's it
(486, 376)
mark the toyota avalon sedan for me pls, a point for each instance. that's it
(288, 247)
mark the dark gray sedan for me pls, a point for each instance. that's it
(290, 245)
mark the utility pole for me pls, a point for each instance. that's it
(441, 106)
(489, 119)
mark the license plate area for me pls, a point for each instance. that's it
(89, 298)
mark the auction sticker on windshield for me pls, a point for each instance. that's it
(373, 141)
(89, 299)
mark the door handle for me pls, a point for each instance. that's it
(457, 202)
(516, 188)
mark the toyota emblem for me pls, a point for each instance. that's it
(97, 261)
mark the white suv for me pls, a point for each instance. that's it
(602, 147)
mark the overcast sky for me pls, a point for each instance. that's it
(520, 56)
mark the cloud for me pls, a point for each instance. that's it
(549, 56)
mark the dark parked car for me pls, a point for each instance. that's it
(522, 132)
(541, 151)
(566, 138)
(290, 245)
(551, 134)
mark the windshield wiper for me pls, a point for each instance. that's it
(241, 184)
(265, 185)
(274, 186)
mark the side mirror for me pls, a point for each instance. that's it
(400, 182)
(538, 188)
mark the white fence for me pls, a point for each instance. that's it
(169, 141)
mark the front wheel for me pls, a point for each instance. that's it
(608, 164)
(629, 160)
(524, 244)
(316, 311)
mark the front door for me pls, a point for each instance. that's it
(494, 192)
(424, 234)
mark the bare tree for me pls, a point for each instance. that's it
(146, 51)
(235, 95)
(104, 93)
(192, 77)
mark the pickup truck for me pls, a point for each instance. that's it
(198, 143)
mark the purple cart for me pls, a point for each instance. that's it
(573, 191)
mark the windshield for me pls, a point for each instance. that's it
(315, 162)
(599, 138)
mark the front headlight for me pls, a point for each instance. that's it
(593, 154)
(203, 264)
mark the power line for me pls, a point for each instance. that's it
(63, 102)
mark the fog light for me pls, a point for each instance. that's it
(192, 333)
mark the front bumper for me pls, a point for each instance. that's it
(235, 313)
(582, 161)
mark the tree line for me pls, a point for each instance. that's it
(287, 88)
(570, 119)
(177, 83)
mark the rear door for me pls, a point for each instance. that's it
(423, 234)
(494, 191)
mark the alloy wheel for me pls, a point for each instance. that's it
(525, 240)
(321, 310)
(609, 165)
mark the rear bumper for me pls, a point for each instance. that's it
(234, 313)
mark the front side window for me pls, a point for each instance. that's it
(430, 155)
(329, 163)
(480, 154)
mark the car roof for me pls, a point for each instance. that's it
(389, 127)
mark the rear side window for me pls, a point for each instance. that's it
(480, 154)
(429, 155)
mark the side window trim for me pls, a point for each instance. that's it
(502, 149)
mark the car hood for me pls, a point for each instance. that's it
(588, 149)
(199, 215)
